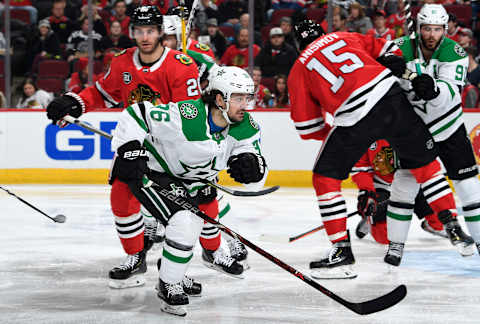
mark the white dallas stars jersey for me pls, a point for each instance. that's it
(178, 137)
(448, 66)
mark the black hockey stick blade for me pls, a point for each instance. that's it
(244, 193)
(380, 303)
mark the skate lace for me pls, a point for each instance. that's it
(395, 249)
(223, 259)
(174, 289)
(187, 282)
(236, 247)
(130, 261)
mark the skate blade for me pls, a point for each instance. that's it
(465, 250)
(179, 310)
(135, 281)
(341, 272)
(220, 269)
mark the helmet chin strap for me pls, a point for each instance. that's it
(225, 112)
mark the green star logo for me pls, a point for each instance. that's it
(205, 171)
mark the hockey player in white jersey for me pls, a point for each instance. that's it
(189, 142)
(436, 97)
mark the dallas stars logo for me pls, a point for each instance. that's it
(206, 171)
(221, 72)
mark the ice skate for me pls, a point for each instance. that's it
(238, 252)
(130, 273)
(394, 253)
(337, 264)
(429, 229)
(173, 298)
(221, 261)
(190, 286)
(462, 242)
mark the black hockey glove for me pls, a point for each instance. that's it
(395, 63)
(367, 204)
(130, 163)
(64, 105)
(246, 167)
(424, 87)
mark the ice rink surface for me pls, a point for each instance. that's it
(57, 273)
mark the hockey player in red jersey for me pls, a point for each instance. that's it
(148, 72)
(373, 175)
(353, 78)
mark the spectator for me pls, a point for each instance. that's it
(453, 28)
(230, 11)
(3, 100)
(380, 30)
(287, 29)
(276, 57)
(162, 5)
(32, 97)
(473, 74)
(237, 54)
(280, 92)
(396, 21)
(206, 10)
(59, 23)
(465, 37)
(288, 4)
(218, 43)
(120, 9)
(339, 21)
(24, 5)
(262, 93)
(45, 45)
(357, 21)
(77, 45)
(98, 25)
(79, 80)
(244, 20)
(115, 39)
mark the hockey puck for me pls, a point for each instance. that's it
(60, 218)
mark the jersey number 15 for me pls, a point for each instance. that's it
(335, 81)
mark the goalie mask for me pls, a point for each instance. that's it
(227, 80)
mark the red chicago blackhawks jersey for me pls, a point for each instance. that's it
(338, 74)
(397, 23)
(375, 166)
(260, 94)
(388, 34)
(455, 35)
(195, 46)
(173, 78)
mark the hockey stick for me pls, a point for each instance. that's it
(190, 18)
(316, 229)
(239, 193)
(362, 308)
(182, 18)
(411, 34)
(57, 219)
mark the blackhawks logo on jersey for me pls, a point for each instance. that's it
(184, 59)
(188, 110)
(143, 93)
(202, 47)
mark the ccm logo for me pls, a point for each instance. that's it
(135, 154)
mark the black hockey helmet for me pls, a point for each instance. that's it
(146, 15)
(307, 31)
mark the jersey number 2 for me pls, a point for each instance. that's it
(335, 81)
(192, 89)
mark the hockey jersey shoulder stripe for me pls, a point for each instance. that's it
(139, 120)
(247, 128)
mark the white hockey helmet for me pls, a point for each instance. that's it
(432, 14)
(228, 80)
(172, 25)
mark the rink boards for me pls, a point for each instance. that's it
(34, 151)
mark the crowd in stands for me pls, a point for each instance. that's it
(57, 30)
